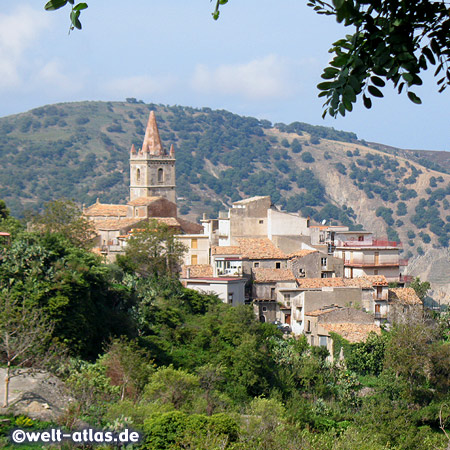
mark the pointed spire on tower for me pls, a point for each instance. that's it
(172, 151)
(133, 150)
(152, 141)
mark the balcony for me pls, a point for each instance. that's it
(380, 297)
(359, 263)
(368, 244)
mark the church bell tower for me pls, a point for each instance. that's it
(152, 169)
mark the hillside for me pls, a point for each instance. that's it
(81, 150)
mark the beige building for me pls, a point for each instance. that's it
(152, 197)
(230, 290)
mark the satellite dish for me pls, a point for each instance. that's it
(324, 221)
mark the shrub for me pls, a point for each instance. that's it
(307, 157)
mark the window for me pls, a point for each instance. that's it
(264, 309)
(256, 264)
(323, 261)
(312, 340)
(309, 326)
(287, 300)
(261, 221)
(160, 175)
(301, 273)
(138, 175)
(272, 292)
(360, 238)
(230, 297)
(323, 341)
(277, 265)
(375, 272)
(324, 275)
(194, 243)
(194, 260)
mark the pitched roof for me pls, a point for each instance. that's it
(316, 283)
(260, 248)
(226, 250)
(353, 332)
(301, 253)
(114, 224)
(189, 227)
(262, 275)
(143, 201)
(197, 271)
(169, 221)
(404, 295)
(106, 210)
(366, 282)
(152, 141)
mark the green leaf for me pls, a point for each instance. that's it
(52, 5)
(407, 77)
(413, 97)
(80, 6)
(338, 3)
(367, 102)
(349, 95)
(375, 91)
(329, 73)
(377, 81)
(429, 54)
(324, 86)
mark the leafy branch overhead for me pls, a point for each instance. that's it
(75, 12)
(394, 40)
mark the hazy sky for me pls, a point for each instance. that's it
(262, 59)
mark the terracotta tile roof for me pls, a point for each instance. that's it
(143, 201)
(107, 210)
(262, 275)
(404, 295)
(353, 332)
(226, 250)
(301, 253)
(197, 271)
(260, 248)
(367, 281)
(317, 283)
(116, 224)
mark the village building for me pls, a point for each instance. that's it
(362, 254)
(352, 324)
(152, 197)
(230, 290)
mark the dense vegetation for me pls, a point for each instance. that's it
(192, 372)
(80, 151)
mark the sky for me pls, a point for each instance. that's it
(261, 58)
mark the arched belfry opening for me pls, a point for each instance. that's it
(138, 175)
(160, 175)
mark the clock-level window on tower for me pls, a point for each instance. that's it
(138, 175)
(160, 175)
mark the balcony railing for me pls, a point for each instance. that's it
(359, 263)
(373, 243)
(380, 296)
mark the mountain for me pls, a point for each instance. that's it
(81, 150)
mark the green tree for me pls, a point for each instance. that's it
(153, 250)
(65, 217)
(421, 288)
